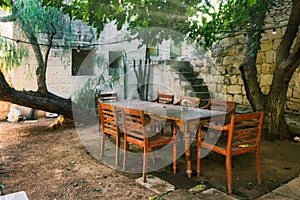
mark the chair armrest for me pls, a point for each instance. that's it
(215, 127)
(155, 100)
(177, 103)
(206, 106)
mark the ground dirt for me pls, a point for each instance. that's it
(55, 164)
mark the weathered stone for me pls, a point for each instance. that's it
(234, 89)
(265, 89)
(296, 93)
(267, 68)
(259, 69)
(230, 41)
(232, 60)
(229, 51)
(243, 91)
(234, 80)
(270, 57)
(245, 100)
(238, 99)
(228, 97)
(266, 45)
(293, 105)
(212, 87)
(276, 44)
(220, 88)
(260, 57)
(221, 96)
(275, 34)
(266, 79)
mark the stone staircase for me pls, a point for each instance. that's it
(192, 84)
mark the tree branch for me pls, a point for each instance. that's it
(48, 50)
(291, 31)
(41, 76)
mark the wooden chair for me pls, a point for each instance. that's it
(243, 136)
(221, 105)
(109, 126)
(107, 97)
(164, 98)
(135, 132)
(193, 102)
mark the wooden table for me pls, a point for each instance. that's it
(186, 120)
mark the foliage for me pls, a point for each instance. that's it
(11, 55)
(202, 21)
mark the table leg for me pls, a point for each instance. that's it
(187, 140)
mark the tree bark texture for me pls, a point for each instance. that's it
(287, 61)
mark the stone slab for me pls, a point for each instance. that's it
(214, 194)
(180, 195)
(156, 184)
(290, 189)
(15, 196)
(273, 196)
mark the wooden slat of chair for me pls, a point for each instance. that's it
(243, 136)
(107, 97)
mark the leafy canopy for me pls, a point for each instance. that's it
(203, 21)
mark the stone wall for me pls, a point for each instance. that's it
(218, 68)
(221, 66)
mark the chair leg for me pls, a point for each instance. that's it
(125, 153)
(102, 144)
(145, 164)
(257, 161)
(174, 150)
(229, 173)
(198, 152)
(117, 150)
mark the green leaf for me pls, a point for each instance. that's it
(73, 162)
(2, 187)
(274, 180)
(251, 2)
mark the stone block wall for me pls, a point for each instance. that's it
(220, 67)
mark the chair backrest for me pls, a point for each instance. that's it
(134, 124)
(191, 101)
(108, 118)
(245, 130)
(221, 105)
(165, 98)
(107, 97)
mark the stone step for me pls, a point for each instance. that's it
(181, 66)
(197, 81)
(189, 76)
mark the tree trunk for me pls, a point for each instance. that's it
(47, 102)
